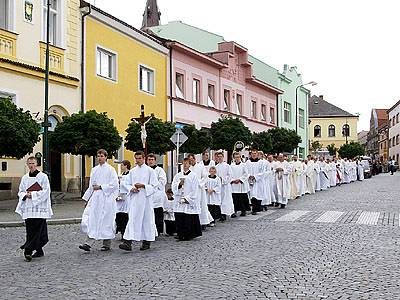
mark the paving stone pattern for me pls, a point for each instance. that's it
(318, 255)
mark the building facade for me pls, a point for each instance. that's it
(394, 132)
(291, 83)
(124, 69)
(383, 141)
(330, 124)
(22, 62)
(378, 120)
(363, 138)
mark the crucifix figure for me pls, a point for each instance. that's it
(142, 120)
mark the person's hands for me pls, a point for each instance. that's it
(96, 187)
(139, 186)
(134, 190)
(29, 195)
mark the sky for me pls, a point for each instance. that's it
(351, 48)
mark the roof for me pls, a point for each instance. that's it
(381, 116)
(206, 42)
(318, 107)
(393, 107)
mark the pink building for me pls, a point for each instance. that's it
(208, 86)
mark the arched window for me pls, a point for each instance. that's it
(346, 130)
(331, 131)
(317, 131)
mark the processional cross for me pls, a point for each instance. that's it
(142, 120)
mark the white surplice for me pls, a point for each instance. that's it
(346, 172)
(239, 172)
(282, 182)
(39, 205)
(159, 195)
(310, 181)
(98, 219)
(324, 175)
(188, 191)
(207, 165)
(267, 200)
(360, 171)
(122, 204)
(317, 178)
(213, 198)
(141, 225)
(333, 174)
(256, 169)
(169, 210)
(201, 172)
(224, 172)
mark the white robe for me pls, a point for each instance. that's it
(333, 174)
(224, 171)
(310, 181)
(169, 210)
(189, 191)
(360, 171)
(202, 174)
(239, 172)
(122, 203)
(98, 219)
(272, 182)
(267, 189)
(317, 170)
(256, 169)
(297, 173)
(346, 172)
(324, 175)
(159, 195)
(211, 164)
(282, 182)
(141, 225)
(215, 184)
(39, 206)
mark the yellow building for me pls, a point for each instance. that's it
(329, 124)
(124, 68)
(22, 53)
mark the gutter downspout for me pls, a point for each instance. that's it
(277, 110)
(83, 161)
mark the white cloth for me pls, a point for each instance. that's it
(122, 203)
(202, 174)
(239, 172)
(39, 206)
(141, 224)
(224, 171)
(333, 174)
(211, 163)
(214, 198)
(188, 191)
(298, 171)
(98, 219)
(324, 175)
(169, 210)
(310, 180)
(282, 182)
(346, 172)
(256, 169)
(267, 200)
(272, 182)
(360, 171)
(159, 195)
(317, 170)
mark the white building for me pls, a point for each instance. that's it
(394, 132)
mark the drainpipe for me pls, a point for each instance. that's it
(83, 5)
(277, 110)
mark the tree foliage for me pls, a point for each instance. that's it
(332, 149)
(85, 133)
(198, 140)
(227, 131)
(262, 141)
(18, 131)
(284, 140)
(316, 145)
(351, 150)
(158, 136)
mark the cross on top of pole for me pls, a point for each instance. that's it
(142, 119)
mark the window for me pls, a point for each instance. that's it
(106, 64)
(146, 80)
(301, 118)
(390, 143)
(394, 141)
(179, 85)
(272, 115)
(317, 131)
(211, 95)
(331, 131)
(397, 139)
(238, 108)
(196, 91)
(346, 130)
(4, 14)
(390, 122)
(9, 96)
(227, 98)
(287, 112)
(253, 110)
(301, 152)
(397, 118)
(263, 112)
(54, 22)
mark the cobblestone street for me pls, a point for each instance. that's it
(339, 244)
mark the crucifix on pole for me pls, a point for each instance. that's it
(142, 120)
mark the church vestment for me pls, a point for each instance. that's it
(224, 172)
(159, 197)
(240, 189)
(201, 172)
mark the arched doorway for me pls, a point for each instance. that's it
(54, 160)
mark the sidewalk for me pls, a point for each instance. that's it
(67, 209)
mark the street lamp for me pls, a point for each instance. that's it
(46, 124)
(313, 83)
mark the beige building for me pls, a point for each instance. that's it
(329, 124)
(22, 62)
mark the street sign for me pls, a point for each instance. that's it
(178, 138)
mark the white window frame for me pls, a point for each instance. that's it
(210, 101)
(253, 109)
(263, 112)
(225, 103)
(302, 118)
(196, 90)
(119, 155)
(179, 92)
(114, 57)
(287, 110)
(272, 115)
(239, 104)
(59, 22)
(152, 89)
(10, 15)
(5, 93)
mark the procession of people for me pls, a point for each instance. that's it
(137, 205)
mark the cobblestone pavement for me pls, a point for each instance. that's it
(332, 245)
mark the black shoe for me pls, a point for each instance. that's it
(85, 247)
(37, 254)
(243, 214)
(276, 204)
(105, 248)
(233, 215)
(203, 227)
(254, 213)
(125, 246)
(283, 206)
(265, 208)
(176, 237)
(145, 246)
(28, 256)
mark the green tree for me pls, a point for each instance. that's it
(84, 134)
(18, 131)
(158, 136)
(351, 150)
(262, 141)
(284, 140)
(316, 145)
(332, 149)
(198, 140)
(226, 132)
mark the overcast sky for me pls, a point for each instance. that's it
(350, 47)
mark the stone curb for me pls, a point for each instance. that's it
(49, 222)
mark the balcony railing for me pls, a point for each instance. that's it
(8, 44)
(56, 59)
